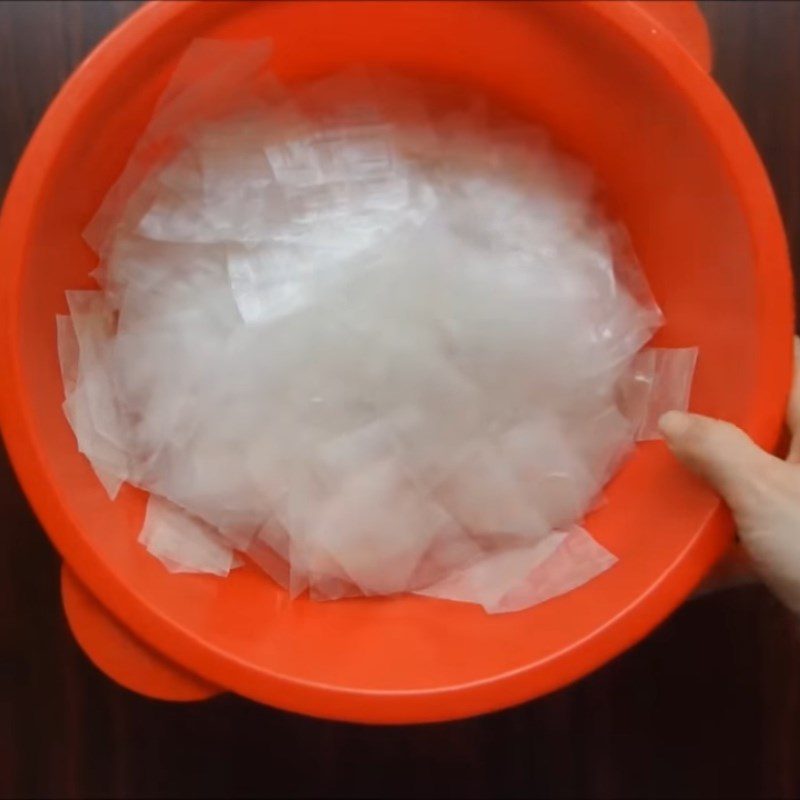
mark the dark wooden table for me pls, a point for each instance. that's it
(708, 706)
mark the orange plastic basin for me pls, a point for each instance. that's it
(617, 89)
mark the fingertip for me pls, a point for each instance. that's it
(718, 451)
(674, 424)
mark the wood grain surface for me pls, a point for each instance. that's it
(708, 706)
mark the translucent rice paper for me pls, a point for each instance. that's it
(374, 334)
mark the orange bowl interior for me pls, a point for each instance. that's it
(674, 165)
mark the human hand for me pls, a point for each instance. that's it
(762, 491)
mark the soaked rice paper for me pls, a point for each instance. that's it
(373, 340)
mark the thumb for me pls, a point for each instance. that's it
(719, 452)
(762, 491)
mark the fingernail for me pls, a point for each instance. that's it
(674, 423)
